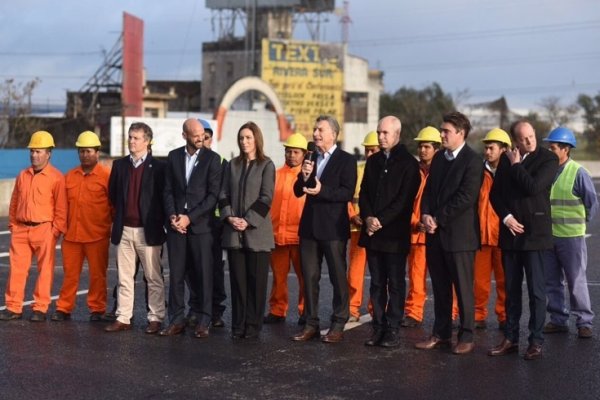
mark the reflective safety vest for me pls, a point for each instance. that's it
(568, 211)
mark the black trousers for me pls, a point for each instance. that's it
(388, 288)
(219, 295)
(447, 269)
(311, 258)
(248, 275)
(530, 263)
(190, 251)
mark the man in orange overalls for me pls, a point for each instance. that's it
(489, 258)
(286, 211)
(358, 255)
(37, 217)
(429, 142)
(88, 230)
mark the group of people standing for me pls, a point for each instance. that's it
(523, 211)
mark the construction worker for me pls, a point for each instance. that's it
(573, 202)
(489, 258)
(37, 218)
(88, 230)
(429, 141)
(286, 211)
(358, 255)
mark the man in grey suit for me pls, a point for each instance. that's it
(449, 213)
(192, 184)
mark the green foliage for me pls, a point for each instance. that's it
(591, 109)
(416, 109)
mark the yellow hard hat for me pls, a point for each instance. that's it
(87, 139)
(370, 140)
(429, 134)
(297, 141)
(41, 140)
(497, 135)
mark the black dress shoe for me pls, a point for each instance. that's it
(390, 339)
(534, 351)
(108, 317)
(60, 316)
(7, 315)
(463, 348)
(96, 317)
(172, 330)
(375, 338)
(306, 334)
(410, 322)
(273, 319)
(37, 316)
(504, 348)
(217, 322)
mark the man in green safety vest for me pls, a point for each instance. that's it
(573, 202)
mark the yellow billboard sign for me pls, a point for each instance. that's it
(308, 77)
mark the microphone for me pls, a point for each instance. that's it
(311, 155)
(311, 152)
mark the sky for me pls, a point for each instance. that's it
(477, 50)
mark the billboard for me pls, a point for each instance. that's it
(308, 77)
(133, 65)
(304, 5)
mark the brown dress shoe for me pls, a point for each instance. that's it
(534, 351)
(306, 334)
(117, 326)
(201, 331)
(173, 329)
(463, 348)
(153, 327)
(333, 337)
(432, 343)
(504, 348)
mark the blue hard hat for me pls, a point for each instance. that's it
(205, 125)
(562, 135)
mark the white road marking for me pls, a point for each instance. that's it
(4, 232)
(26, 303)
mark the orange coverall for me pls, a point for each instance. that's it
(489, 258)
(358, 255)
(417, 264)
(286, 210)
(88, 233)
(37, 217)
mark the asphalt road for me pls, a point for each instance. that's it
(77, 359)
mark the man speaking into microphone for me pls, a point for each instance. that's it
(324, 226)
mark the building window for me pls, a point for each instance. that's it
(229, 70)
(151, 112)
(356, 108)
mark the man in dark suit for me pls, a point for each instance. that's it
(449, 214)
(192, 184)
(387, 193)
(135, 190)
(520, 196)
(325, 227)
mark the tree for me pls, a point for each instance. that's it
(555, 113)
(591, 109)
(15, 110)
(416, 109)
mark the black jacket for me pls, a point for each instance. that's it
(523, 190)
(151, 201)
(200, 193)
(451, 196)
(325, 216)
(388, 191)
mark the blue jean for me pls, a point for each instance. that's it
(565, 268)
